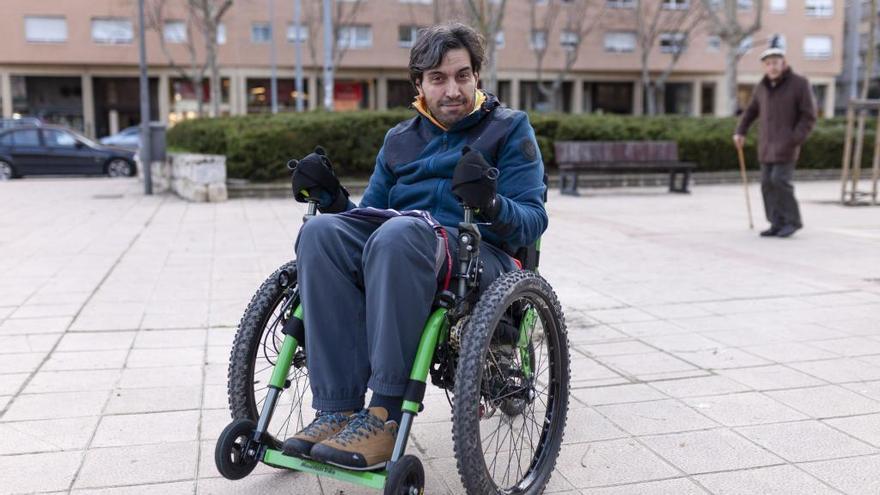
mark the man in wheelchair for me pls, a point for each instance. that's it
(368, 275)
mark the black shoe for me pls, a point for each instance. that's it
(771, 232)
(787, 231)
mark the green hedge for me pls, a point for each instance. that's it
(258, 146)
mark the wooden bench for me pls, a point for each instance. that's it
(575, 157)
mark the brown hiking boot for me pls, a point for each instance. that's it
(324, 426)
(365, 443)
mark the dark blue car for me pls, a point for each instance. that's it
(55, 150)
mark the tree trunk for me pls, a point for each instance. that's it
(647, 93)
(214, 70)
(198, 83)
(490, 83)
(730, 75)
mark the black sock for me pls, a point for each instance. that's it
(391, 404)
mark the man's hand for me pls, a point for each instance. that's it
(474, 183)
(739, 140)
(314, 179)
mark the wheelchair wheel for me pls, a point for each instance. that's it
(255, 350)
(510, 405)
(234, 455)
(407, 477)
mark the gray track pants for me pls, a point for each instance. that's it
(366, 291)
(780, 205)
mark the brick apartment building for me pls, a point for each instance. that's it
(75, 61)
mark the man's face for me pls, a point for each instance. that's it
(773, 67)
(450, 88)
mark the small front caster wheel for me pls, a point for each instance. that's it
(406, 477)
(236, 451)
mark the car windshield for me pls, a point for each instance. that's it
(85, 140)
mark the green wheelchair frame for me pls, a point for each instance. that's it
(242, 444)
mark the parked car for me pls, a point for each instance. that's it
(129, 138)
(50, 150)
(19, 122)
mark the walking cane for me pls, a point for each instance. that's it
(742, 171)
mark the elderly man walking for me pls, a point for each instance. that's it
(784, 103)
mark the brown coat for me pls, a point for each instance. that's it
(787, 114)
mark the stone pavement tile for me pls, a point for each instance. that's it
(614, 348)
(144, 400)
(868, 389)
(621, 315)
(866, 325)
(774, 480)
(662, 416)
(21, 363)
(5, 311)
(856, 475)
(435, 439)
(221, 336)
(583, 369)
(107, 322)
(700, 386)
(31, 473)
(14, 344)
(60, 405)
(587, 425)
(171, 376)
(849, 346)
(840, 370)
(746, 335)
(160, 339)
(95, 341)
(86, 360)
(709, 324)
(639, 365)
(214, 420)
(291, 483)
(172, 488)
(742, 409)
(788, 352)
(644, 329)
(682, 342)
(593, 334)
(207, 468)
(217, 354)
(442, 476)
(19, 326)
(806, 441)
(865, 428)
(47, 296)
(140, 464)
(675, 486)
(616, 394)
(70, 381)
(44, 310)
(216, 374)
(217, 397)
(10, 383)
(612, 462)
(157, 321)
(676, 311)
(721, 358)
(149, 428)
(827, 401)
(771, 377)
(21, 437)
(152, 358)
(709, 450)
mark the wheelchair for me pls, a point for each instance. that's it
(501, 355)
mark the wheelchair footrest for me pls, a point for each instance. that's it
(369, 479)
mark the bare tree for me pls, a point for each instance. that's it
(670, 25)
(724, 17)
(487, 17)
(543, 17)
(203, 16)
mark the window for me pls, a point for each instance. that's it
(59, 139)
(112, 31)
(294, 37)
(620, 4)
(713, 43)
(673, 42)
(45, 29)
(744, 4)
(174, 32)
(355, 37)
(676, 4)
(820, 8)
(817, 47)
(221, 34)
(777, 6)
(261, 32)
(26, 138)
(620, 41)
(407, 35)
(538, 40)
(569, 40)
(6, 139)
(499, 39)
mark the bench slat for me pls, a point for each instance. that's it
(616, 151)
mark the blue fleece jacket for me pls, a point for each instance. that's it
(415, 165)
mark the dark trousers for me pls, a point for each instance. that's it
(367, 290)
(780, 205)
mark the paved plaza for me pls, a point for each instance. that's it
(705, 360)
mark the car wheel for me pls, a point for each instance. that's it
(119, 168)
(6, 171)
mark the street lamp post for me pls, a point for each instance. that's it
(297, 27)
(145, 144)
(273, 83)
(328, 57)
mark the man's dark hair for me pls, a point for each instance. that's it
(433, 43)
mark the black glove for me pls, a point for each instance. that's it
(313, 179)
(474, 182)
